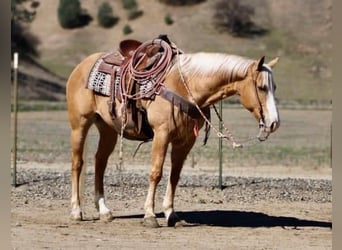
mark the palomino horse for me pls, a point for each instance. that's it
(202, 78)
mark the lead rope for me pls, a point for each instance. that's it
(228, 136)
(119, 166)
(244, 143)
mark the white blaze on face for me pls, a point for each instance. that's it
(272, 111)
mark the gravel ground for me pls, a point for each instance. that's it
(43, 184)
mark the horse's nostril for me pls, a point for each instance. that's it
(274, 126)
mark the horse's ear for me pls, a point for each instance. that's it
(273, 62)
(260, 63)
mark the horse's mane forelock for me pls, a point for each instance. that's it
(205, 64)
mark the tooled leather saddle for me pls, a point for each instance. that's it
(108, 78)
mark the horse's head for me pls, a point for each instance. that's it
(257, 95)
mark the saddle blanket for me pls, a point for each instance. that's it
(103, 73)
(98, 81)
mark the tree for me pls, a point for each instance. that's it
(129, 4)
(22, 12)
(236, 18)
(71, 15)
(22, 40)
(132, 9)
(105, 15)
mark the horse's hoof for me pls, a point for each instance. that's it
(173, 220)
(107, 217)
(76, 217)
(151, 222)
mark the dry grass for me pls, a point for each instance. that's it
(299, 35)
(303, 140)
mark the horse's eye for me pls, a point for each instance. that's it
(262, 88)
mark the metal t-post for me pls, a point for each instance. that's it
(15, 116)
(220, 148)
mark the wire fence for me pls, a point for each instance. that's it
(45, 137)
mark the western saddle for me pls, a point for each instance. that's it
(136, 74)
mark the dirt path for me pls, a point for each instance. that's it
(250, 213)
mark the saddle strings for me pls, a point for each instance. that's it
(155, 75)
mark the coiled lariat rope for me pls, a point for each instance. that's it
(155, 74)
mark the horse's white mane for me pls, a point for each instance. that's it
(206, 64)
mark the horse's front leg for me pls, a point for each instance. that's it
(159, 148)
(179, 153)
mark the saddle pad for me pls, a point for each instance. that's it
(99, 82)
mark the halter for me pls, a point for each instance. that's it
(261, 110)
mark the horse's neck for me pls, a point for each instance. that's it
(212, 77)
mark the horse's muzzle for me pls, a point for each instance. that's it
(263, 135)
(265, 131)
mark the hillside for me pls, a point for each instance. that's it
(299, 34)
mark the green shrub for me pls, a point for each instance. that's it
(23, 41)
(168, 19)
(134, 13)
(129, 4)
(71, 15)
(127, 29)
(105, 16)
(236, 18)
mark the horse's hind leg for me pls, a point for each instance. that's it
(79, 130)
(108, 138)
